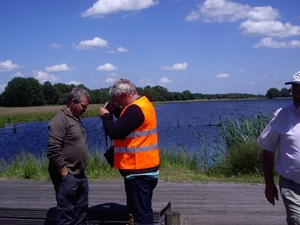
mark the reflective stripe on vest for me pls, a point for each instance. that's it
(136, 149)
(142, 133)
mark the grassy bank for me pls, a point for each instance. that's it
(236, 157)
(38, 113)
(175, 167)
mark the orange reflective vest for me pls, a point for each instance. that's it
(139, 150)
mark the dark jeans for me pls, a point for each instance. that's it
(139, 192)
(72, 198)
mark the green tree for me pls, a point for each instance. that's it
(198, 96)
(99, 96)
(84, 87)
(163, 94)
(176, 96)
(23, 92)
(188, 95)
(140, 90)
(36, 92)
(284, 92)
(151, 94)
(273, 93)
(63, 91)
(51, 94)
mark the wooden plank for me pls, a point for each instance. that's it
(31, 200)
(198, 202)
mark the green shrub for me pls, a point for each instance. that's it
(178, 157)
(241, 158)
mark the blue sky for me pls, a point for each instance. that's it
(209, 47)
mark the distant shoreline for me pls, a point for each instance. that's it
(5, 111)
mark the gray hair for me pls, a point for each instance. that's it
(77, 94)
(122, 86)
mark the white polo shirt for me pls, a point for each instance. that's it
(283, 131)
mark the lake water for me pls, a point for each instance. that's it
(177, 124)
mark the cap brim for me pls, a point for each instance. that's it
(293, 82)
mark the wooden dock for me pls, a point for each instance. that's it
(33, 203)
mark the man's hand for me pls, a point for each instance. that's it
(102, 111)
(271, 193)
(63, 171)
(111, 106)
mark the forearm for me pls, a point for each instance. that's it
(131, 119)
(268, 167)
(54, 154)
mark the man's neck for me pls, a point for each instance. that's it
(133, 98)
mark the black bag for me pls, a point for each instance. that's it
(109, 155)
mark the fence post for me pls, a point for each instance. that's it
(172, 218)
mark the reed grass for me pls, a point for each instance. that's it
(240, 130)
(243, 156)
(28, 166)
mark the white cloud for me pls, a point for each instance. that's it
(18, 74)
(110, 80)
(222, 75)
(263, 13)
(164, 80)
(74, 82)
(238, 70)
(111, 51)
(43, 77)
(91, 44)
(58, 68)
(179, 66)
(194, 15)
(146, 82)
(120, 49)
(107, 67)
(268, 42)
(7, 66)
(105, 7)
(54, 46)
(269, 28)
(255, 21)
(226, 11)
(219, 11)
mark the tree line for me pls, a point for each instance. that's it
(23, 92)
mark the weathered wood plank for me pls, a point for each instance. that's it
(198, 203)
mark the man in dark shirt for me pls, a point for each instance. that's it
(67, 153)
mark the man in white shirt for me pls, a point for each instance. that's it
(283, 131)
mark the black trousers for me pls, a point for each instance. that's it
(139, 192)
(72, 198)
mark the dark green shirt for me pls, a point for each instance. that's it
(67, 143)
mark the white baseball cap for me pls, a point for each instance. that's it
(296, 79)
